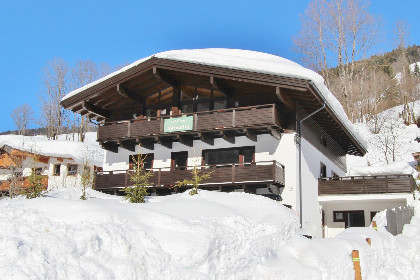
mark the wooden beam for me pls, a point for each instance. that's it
(146, 143)
(128, 145)
(274, 132)
(110, 146)
(228, 135)
(217, 85)
(185, 139)
(164, 141)
(207, 138)
(130, 95)
(95, 109)
(251, 134)
(161, 76)
(284, 99)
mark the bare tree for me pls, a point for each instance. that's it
(56, 85)
(83, 73)
(22, 116)
(337, 33)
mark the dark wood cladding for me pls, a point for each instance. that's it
(252, 173)
(254, 116)
(366, 185)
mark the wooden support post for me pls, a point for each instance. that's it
(356, 265)
(374, 226)
(369, 241)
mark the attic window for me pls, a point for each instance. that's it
(323, 141)
(71, 169)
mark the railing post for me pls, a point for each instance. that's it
(233, 118)
(159, 176)
(126, 179)
(161, 125)
(356, 265)
(195, 116)
(386, 183)
(129, 129)
(233, 173)
(341, 191)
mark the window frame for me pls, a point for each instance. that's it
(131, 161)
(68, 169)
(322, 166)
(59, 170)
(240, 154)
(345, 216)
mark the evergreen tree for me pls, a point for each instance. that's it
(140, 179)
(195, 181)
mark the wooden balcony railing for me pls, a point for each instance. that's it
(226, 174)
(254, 116)
(366, 184)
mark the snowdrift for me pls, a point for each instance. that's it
(209, 236)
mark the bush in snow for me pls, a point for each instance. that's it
(86, 179)
(140, 178)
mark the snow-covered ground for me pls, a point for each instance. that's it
(78, 151)
(212, 235)
(400, 137)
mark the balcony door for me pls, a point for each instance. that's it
(179, 160)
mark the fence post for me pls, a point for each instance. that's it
(374, 226)
(356, 265)
(369, 241)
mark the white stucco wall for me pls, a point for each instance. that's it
(366, 202)
(311, 164)
(64, 180)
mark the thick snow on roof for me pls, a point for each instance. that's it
(395, 168)
(248, 61)
(78, 151)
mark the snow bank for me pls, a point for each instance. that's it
(247, 61)
(395, 168)
(209, 236)
(78, 151)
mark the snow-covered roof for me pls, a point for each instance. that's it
(78, 151)
(251, 61)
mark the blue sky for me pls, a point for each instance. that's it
(119, 32)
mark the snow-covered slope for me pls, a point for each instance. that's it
(211, 235)
(78, 151)
(393, 130)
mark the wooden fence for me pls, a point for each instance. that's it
(397, 218)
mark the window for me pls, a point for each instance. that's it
(71, 169)
(323, 141)
(229, 156)
(18, 174)
(350, 218)
(37, 171)
(56, 170)
(372, 214)
(323, 171)
(147, 163)
(179, 160)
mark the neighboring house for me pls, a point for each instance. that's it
(59, 172)
(237, 113)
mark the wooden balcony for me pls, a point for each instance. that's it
(366, 185)
(249, 120)
(268, 172)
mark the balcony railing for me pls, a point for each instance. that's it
(366, 184)
(244, 117)
(226, 174)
